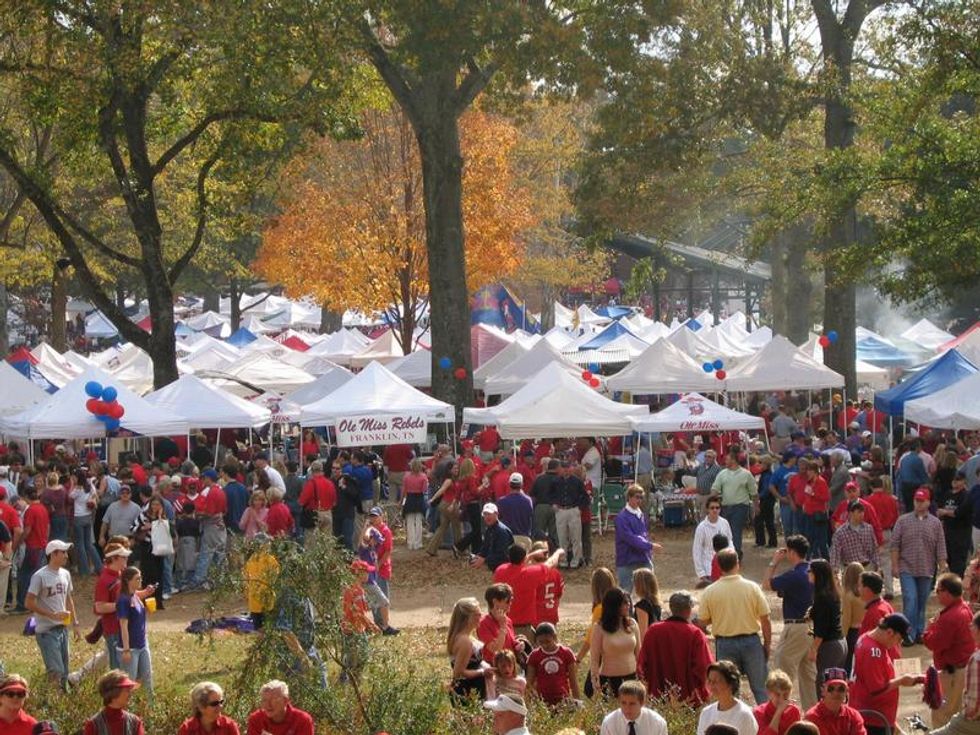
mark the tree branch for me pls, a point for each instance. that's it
(396, 77)
(475, 81)
(202, 218)
(191, 136)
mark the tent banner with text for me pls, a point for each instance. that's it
(364, 431)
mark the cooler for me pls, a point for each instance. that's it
(673, 512)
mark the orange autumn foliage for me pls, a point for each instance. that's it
(352, 230)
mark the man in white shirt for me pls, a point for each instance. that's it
(592, 461)
(632, 718)
(49, 598)
(275, 477)
(509, 714)
(703, 551)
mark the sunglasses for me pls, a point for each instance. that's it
(14, 695)
(839, 688)
(215, 703)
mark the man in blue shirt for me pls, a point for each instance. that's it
(497, 539)
(235, 493)
(796, 591)
(911, 474)
(780, 481)
(364, 477)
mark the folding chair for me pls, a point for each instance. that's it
(614, 498)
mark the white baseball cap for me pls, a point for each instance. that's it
(56, 545)
(507, 703)
(516, 479)
(490, 508)
(121, 551)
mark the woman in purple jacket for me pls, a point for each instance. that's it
(634, 549)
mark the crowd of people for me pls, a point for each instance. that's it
(150, 530)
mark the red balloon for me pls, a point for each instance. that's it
(116, 410)
(586, 376)
(721, 374)
(824, 341)
(91, 405)
(594, 382)
(101, 408)
(460, 373)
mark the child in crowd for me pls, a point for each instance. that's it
(719, 542)
(632, 696)
(551, 669)
(505, 678)
(188, 536)
(367, 552)
(260, 574)
(357, 621)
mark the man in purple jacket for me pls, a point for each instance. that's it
(634, 549)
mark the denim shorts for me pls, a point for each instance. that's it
(375, 597)
(54, 649)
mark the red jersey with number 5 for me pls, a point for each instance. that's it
(549, 595)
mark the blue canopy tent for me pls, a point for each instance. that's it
(182, 330)
(945, 371)
(882, 354)
(241, 338)
(607, 335)
(613, 312)
(33, 374)
(693, 324)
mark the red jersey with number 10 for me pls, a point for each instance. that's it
(873, 670)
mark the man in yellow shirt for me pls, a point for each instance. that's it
(260, 574)
(736, 609)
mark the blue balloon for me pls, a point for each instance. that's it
(445, 363)
(103, 417)
(718, 365)
(594, 367)
(707, 367)
(832, 336)
(93, 389)
(112, 424)
(109, 394)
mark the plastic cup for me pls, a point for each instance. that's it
(151, 604)
(66, 618)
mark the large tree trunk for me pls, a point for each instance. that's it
(59, 310)
(235, 295)
(442, 178)
(212, 300)
(330, 321)
(162, 347)
(799, 286)
(778, 289)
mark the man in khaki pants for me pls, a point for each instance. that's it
(796, 590)
(949, 635)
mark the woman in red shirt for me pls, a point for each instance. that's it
(468, 489)
(448, 500)
(816, 503)
(310, 447)
(13, 694)
(207, 699)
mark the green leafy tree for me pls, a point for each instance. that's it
(152, 106)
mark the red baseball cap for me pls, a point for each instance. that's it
(14, 686)
(922, 494)
(359, 565)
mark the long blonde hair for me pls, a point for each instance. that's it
(462, 611)
(852, 577)
(603, 580)
(646, 586)
(466, 468)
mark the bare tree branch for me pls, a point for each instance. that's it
(202, 219)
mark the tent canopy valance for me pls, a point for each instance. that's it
(694, 412)
(208, 407)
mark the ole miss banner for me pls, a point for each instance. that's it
(362, 431)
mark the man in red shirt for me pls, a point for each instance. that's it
(875, 608)
(874, 685)
(106, 593)
(211, 506)
(841, 515)
(500, 480)
(37, 524)
(319, 495)
(528, 468)
(886, 508)
(276, 714)
(949, 635)
(488, 441)
(816, 501)
(383, 550)
(551, 591)
(526, 577)
(831, 714)
(675, 655)
(396, 459)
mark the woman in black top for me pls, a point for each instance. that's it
(829, 649)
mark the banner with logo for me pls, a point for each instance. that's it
(362, 431)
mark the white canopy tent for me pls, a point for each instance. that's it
(208, 407)
(512, 378)
(47, 355)
(384, 349)
(374, 391)
(555, 403)
(956, 406)
(867, 374)
(340, 346)
(662, 368)
(98, 326)
(725, 345)
(206, 320)
(17, 392)
(415, 369)
(926, 334)
(694, 412)
(63, 415)
(781, 366)
(263, 371)
(498, 362)
(324, 385)
(693, 345)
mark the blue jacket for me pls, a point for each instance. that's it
(633, 545)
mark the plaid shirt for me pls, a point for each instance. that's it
(920, 544)
(706, 478)
(971, 689)
(853, 544)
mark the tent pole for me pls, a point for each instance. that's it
(217, 448)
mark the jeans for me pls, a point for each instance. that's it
(745, 651)
(343, 530)
(624, 575)
(213, 540)
(88, 557)
(33, 560)
(786, 518)
(59, 528)
(54, 650)
(474, 538)
(737, 517)
(140, 668)
(915, 595)
(167, 583)
(816, 531)
(113, 642)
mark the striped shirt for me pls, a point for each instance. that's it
(920, 544)
(853, 543)
(971, 689)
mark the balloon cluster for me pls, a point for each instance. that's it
(826, 340)
(717, 367)
(445, 363)
(103, 405)
(589, 378)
